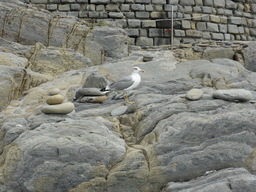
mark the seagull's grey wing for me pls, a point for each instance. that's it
(122, 83)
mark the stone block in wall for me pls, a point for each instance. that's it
(116, 15)
(241, 30)
(240, 7)
(196, 17)
(113, 7)
(133, 32)
(144, 41)
(142, 15)
(83, 14)
(173, 2)
(148, 23)
(129, 15)
(205, 17)
(100, 8)
(254, 23)
(243, 38)
(179, 33)
(220, 11)
(228, 12)
(252, 32)
(214, 19)
(223, 28)
(194, 33)
(232, 37)
(52, 7)
(103, 14)
(91, 7)
(248, 15)
(122, 22)
(169, 7)
(143, 32)
(201, 26)
(208, 3)
(161, 41)
(143, 1)
(60, 13)
(75, 7)
(157, 15)
(181, 8)
(212, 27)
(54, 1)
(64, 8)
(93, 14)
(238, 13)
(199, 2)
(219, 3)
(238, 37)
(207, 10)
(137, 7)
(187, 17)
(161, 2)
(117, 1)
(41, 6)
(227, 37)
(73, 13)
(155, 32)
(185, 24)
(253, 8)
(197, 9)
(188, 9)
(231, 4)
(125, 7)
(233, 29)
(187, 2)
(249, 38)
(246, 31)
(223, 19)
(149, 8)
(39, 1)
(100, 1)
(217, 36)
(249, 23)
(236, 20)
(158, 8)
(129, 1)
(206, 35)
(134, 23)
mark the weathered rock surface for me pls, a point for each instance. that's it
(233, 95)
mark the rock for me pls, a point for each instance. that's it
(119, 111)
(63, 108)
(249, 56)
(55, 99)
(233, 95)
(147, 58)
(10, 59)
(95, 80)
(194, 94)
(113, 40)
(237, 179)
(54, 91)
(88, 92)
(99, 99)
(213, 53)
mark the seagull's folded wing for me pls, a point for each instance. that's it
(122, 83)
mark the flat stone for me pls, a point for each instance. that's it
(119, 111)
(99, 99)
(194, 94)
(147, 58)
(54, 91)
(55, 99)
(63, 108)
(88, 92)
(233, 95)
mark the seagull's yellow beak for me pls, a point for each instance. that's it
(142, 71)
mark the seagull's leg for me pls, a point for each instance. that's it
(126, 98)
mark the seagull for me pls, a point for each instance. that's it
(126, 83)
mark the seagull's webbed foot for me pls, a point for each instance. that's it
(126, 99)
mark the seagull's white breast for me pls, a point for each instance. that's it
(136, 78)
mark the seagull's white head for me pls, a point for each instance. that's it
(137, 70)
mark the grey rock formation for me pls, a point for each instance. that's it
(233, 95)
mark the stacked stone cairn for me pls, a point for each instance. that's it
(56, 104)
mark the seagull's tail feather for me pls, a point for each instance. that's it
(105, 90)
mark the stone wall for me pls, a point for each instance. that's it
(148, 22)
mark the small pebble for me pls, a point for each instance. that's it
(54, 91)
(194, 94)
(119, 111)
